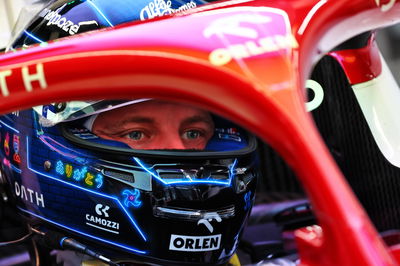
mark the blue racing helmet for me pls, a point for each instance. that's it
(65, 18)
(159, 206)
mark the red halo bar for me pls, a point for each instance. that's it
(253, 74)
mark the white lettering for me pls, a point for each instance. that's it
(222, 56)
(39, 199)
(63, 23)
(3, 83)
(102, 209)
(254, 49)
(159, 8)
(29, 78)
(49, 15)
(20, 191)
(268, 44)
(67, 25)
(30, 194)
(44, 12)
(54, 19)
(103, 222)
(239, 51)
(145, 13)
(232, 26)
(318, 95)
(17, 189)
(23, 193)
(74, 29)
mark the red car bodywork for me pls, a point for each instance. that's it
(252, 69)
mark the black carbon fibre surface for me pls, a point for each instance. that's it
(341, 123)
(374, 180)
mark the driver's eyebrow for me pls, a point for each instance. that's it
(197, 119)
(134, 119)
(137, 119)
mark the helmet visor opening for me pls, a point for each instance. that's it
(153, 127)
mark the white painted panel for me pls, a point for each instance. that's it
(10, 12)
(4, 25)
(379, 101)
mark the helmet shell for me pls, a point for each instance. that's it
(65, 18)
(163, 209)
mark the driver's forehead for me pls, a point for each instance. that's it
(158, 110)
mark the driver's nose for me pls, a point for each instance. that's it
(172, 141)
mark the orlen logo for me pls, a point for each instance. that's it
(385, 7)
(249, 34)
(194, 243)
(233, 26)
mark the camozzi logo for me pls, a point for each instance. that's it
(102, 210)
(101, 219)
(158, 8)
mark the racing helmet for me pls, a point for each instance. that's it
(163, 206)
(65, 18)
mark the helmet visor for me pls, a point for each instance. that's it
(148, 126)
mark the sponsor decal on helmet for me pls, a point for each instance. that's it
(102, 209)
(7, 144)
(88, 178)
(16, 143)
(229, 137)
(229, 134)
(247, 201)
(194, 243)
(158, 8)
(208, 218)
(132, 198)
(54, 18)
(99, 221)
(29, 195)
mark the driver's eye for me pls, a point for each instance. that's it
(192, 134)
(135, 135)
